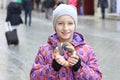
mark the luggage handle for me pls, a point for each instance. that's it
(8, 26)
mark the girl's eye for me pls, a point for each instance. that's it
(60, 23)
(70, 23)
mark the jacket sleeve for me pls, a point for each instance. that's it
(40, 69)
(90, 69)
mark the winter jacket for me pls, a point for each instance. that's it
(49, 3)
(13, 13)
(42, 67)
(102, 3)
(27, 5)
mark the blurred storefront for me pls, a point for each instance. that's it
(89, 7)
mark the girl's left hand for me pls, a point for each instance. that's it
(73, 60)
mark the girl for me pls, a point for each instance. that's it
(55, 59)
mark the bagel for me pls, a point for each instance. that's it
(66, 46)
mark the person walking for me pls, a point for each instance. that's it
(103, 4)
(13, 14)
(27, 7)
(13, 20)
(49, 6)
(76, 4)
(66, 55)
(73, 2)
(37, 5)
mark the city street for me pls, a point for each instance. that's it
(102, 35)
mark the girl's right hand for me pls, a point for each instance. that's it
(60, 60)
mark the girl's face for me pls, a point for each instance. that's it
(64, 28)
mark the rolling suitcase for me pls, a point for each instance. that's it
(11, 35)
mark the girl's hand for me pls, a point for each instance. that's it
(60, 60)
(73, 60)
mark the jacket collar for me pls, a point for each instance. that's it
(77, 40)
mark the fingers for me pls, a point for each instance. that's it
(70, 62)
(60, 60)
(73, 60)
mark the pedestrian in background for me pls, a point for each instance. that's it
(13, 20)
(14, 14)
(80, 7)
(103, 4)
(65, 56)
(20, 2)
(37, 2)
(73, 2)
(27, 7)
(76, 4)
(49, 6)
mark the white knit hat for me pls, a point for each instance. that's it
(64, 9)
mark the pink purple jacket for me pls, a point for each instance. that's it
(42, 67)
